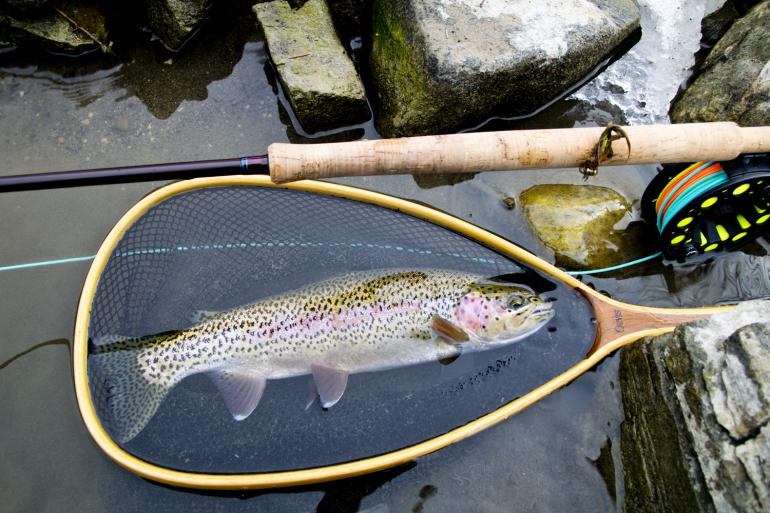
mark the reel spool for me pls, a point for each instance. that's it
(709, 206)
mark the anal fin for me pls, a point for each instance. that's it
(330, 383)
(241, 388)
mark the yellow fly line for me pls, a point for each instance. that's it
(640, 322)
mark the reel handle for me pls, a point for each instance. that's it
(509, 150)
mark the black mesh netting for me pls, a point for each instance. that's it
(220, 248)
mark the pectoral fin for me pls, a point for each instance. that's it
(449, 359)
(330, 383)
(241, 389)
(447, 331)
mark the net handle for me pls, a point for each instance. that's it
(509, 150)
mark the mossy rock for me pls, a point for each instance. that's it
(66, 31)
(697, 404)
(319, 78)
(174, 21)
(734, 81)
(439, 65)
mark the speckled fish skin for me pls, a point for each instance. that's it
(356, 322)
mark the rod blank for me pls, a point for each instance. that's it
(171, 171)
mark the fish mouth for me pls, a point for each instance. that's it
(538, 318)
(543, 313)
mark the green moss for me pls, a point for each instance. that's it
(406, 101)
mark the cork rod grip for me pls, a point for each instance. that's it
(522, 149)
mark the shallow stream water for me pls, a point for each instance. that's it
(219, 99)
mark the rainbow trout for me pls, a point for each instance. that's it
(357, 322)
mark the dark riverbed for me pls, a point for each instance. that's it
(216, 101)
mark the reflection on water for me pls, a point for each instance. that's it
(47, 343)
(163, 82)
(144, 69)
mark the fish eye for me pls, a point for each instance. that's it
(534, 299)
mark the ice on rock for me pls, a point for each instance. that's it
(643, 82)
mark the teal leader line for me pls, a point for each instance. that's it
(616, 267)
(48, 263)
(243, 245)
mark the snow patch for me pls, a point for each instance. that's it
(644, 81)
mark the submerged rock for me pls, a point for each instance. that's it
(441, 64)
(697, 404)
(76, 28)
(578, 223)
(734, 80)
(173, 21)
(318, 76)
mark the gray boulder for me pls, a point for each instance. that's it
(697, 404)
(173, 21)
(318, 76)
(442, 64)
(734, 81)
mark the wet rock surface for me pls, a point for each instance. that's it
(75, 28)
(734, 80)
(717, 23)
(578, 223)
(318, 76)
(442, 64)
(697, 406)
(173, 21)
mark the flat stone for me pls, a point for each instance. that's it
(697, 403)
(442, 64)
(174, 21)
(734, 81)
(578, 223)
(54, 32)
(319, 78)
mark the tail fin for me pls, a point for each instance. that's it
(124, 399)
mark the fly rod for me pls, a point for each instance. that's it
(129, 174)
(455, 153)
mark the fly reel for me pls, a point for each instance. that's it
(709, 206)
